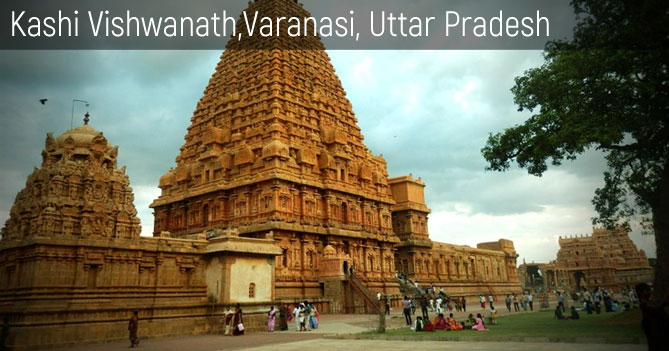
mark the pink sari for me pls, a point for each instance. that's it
(479, 325)
(271, 320)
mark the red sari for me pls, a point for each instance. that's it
(428, 327)
(440, 324)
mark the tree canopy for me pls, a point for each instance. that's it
(605, 88)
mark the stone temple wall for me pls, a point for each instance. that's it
(488, 269)
(606, 259)
(50, 287)
(73, 267)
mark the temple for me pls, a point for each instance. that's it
(606, 259)
(274, 198)
(274, 150)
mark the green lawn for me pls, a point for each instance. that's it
(621, 327)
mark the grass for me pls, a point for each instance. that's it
(619, 327)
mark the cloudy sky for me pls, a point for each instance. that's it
(428, 113)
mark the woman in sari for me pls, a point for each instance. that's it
(289, 314)
(479, 325)
(271, 319)
(238, 321)
(440, 323)
(428, 327)
(452, 324)
(313, 322)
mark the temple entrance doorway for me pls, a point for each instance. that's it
(579, 278)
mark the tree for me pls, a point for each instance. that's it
(606, 88)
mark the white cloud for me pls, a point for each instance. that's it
(463, 95)
(362, 71)
(144, 195)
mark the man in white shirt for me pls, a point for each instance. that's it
(529, 300)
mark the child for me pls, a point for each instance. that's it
(493, 316)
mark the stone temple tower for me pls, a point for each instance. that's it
(274, 150)
(77, 192)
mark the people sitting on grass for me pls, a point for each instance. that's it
(479, 325)
(574, 313)
(452, 324)
(440, 322)
(418, 324)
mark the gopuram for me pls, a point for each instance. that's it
(606, 259)
(274, 198)
(274, 151)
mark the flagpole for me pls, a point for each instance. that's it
(73, 101)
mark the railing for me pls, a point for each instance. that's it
(408, 287)
(366, 294)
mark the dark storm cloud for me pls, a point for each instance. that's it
(141, 101)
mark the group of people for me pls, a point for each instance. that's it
(443, 302)
(438, 303)
(593, 301)
(482, 301)
(525, 301)
(448, 324)
(306, 317)
(431, 303)
(234, 321)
